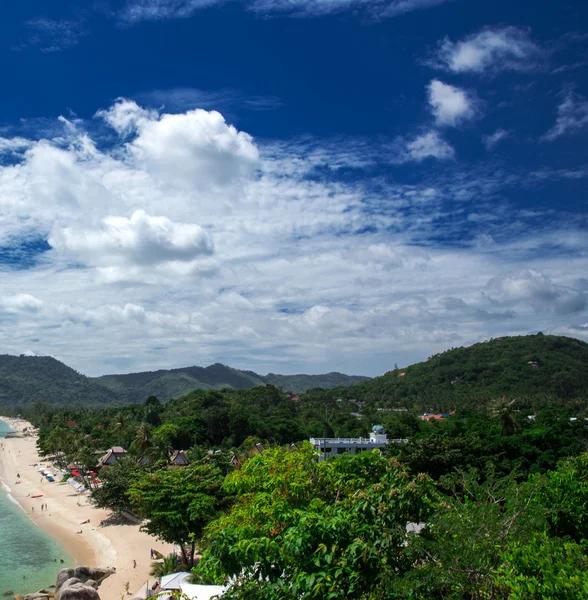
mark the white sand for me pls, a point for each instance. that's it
(107, 546)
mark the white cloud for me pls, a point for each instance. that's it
(16, 144)
(506, 48)
(265, 255)
(51, 35)
(141, 240)
(157, 10)
(572, 116)
(150, 10)
(190, 149)
(429, 145)
(532, 288)
(492, 140)
(22, 303)
(125, 116)
(450, 105)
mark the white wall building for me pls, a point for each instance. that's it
(335, 446)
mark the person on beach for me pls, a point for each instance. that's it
(134, 564)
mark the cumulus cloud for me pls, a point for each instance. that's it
(22, 303)
(191, 148)
(572, 116)
(450, 105)
(264, 255)
(535, 289)
(490, 50)
(429, 145)
(140, 240)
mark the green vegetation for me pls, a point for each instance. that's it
(535, 369)
(25, 380)
(491, 502)
(173, 383)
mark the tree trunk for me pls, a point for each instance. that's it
(184, 556)
(192, 556)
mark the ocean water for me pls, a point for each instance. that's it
(25, 550)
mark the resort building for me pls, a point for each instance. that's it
(335, 446)
(111, 456)
(178, 458)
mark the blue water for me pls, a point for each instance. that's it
(24, 548)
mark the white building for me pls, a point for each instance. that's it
(336, 446)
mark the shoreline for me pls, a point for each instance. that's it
(114, 545)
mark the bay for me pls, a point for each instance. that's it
(25, 550)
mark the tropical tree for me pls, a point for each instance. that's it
(116, 479)
(178, 503)
(504, 410)
(302, 529)
(167, 565)
(143, 439)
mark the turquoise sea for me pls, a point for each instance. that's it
(24, 548)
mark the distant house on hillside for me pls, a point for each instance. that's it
(71, 423)
(436, 416)
(111, 456)
(178, 458)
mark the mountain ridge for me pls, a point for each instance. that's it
(26, 379)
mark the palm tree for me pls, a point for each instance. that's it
(504, 411)
(144, 439)
(120, 426)
(168, 565)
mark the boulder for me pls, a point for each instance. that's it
(37, 596)
(95, 573)
(62, 577)
(79, 591)
(65, 585)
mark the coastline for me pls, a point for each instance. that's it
(116, 545)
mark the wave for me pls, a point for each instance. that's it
(6, 486)
(15, 502)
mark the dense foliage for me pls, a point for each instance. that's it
(25, 380)
(172, 383)
(536, 369)
(490, 502)
(340, 529)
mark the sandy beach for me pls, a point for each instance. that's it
(101, 546)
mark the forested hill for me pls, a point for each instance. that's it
(173, 383)
(26, 379)
(534, 367)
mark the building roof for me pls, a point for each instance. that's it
(181, 455)
(114, 451)
(173, 581)
(201, 592)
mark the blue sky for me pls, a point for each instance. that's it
(290, 185)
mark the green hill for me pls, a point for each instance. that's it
(173, 383)
(26, 379)
(303, 383)
(534, 367)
